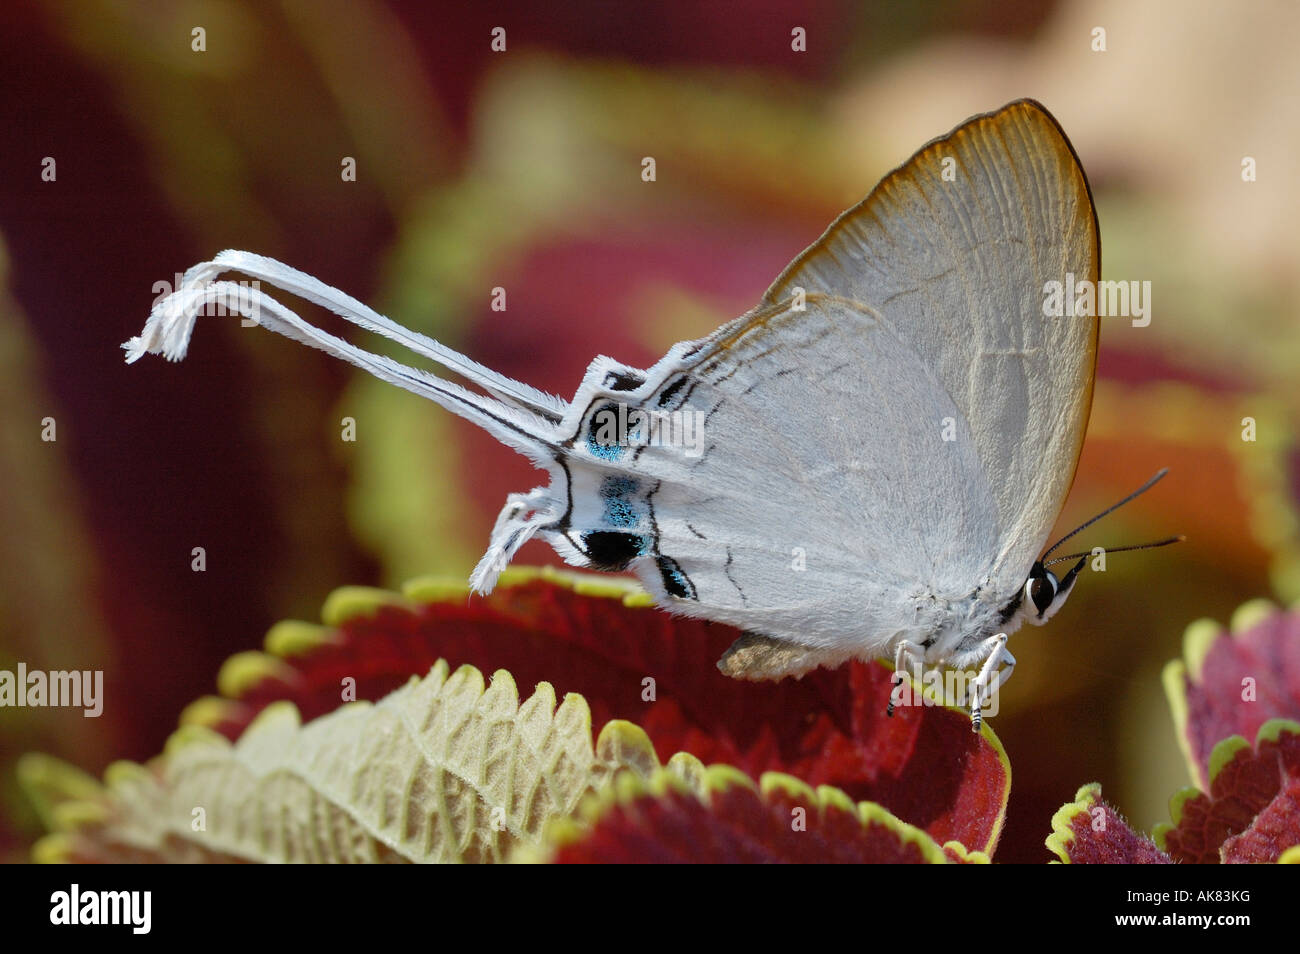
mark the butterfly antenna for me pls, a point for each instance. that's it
(1111, 509)
(1137, 546)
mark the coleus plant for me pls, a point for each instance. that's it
(435, 762)
(375, 736)
(1235, 698)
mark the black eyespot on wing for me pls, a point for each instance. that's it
(676, 582)
(621, 381)
(612, 550)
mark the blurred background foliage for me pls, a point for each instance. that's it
(522, 170)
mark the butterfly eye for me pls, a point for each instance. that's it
(1042, 590)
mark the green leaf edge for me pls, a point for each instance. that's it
(289, 638)
(50, 783)
(686, 775)
(1062, 836)
(1198, 638)
(1224, 751)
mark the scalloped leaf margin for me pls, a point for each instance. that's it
(719, 815)
(443, 769)
(1251, 810)
(1089, 831)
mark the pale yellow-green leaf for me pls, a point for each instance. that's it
(443, 769)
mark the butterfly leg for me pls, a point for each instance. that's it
(991, 676)
(906, 656)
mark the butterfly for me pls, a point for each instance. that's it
(865, 464)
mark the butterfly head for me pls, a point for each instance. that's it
(1045, 593)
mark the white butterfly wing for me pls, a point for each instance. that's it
(959, 270)
(820, 507)
(910, 436)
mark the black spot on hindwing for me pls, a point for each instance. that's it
(612, 550)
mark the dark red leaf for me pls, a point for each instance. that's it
(1273, 831)
(640, 664)
(1247, 796)
(1231, 682)
(734, 823)
(1089, 831)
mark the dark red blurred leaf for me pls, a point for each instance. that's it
(1248, 796)
(736, 822)
(634, 663)
(1273, 831)
(1089, 831)
(1231, 682)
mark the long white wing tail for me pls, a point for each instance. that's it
(521, 417)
